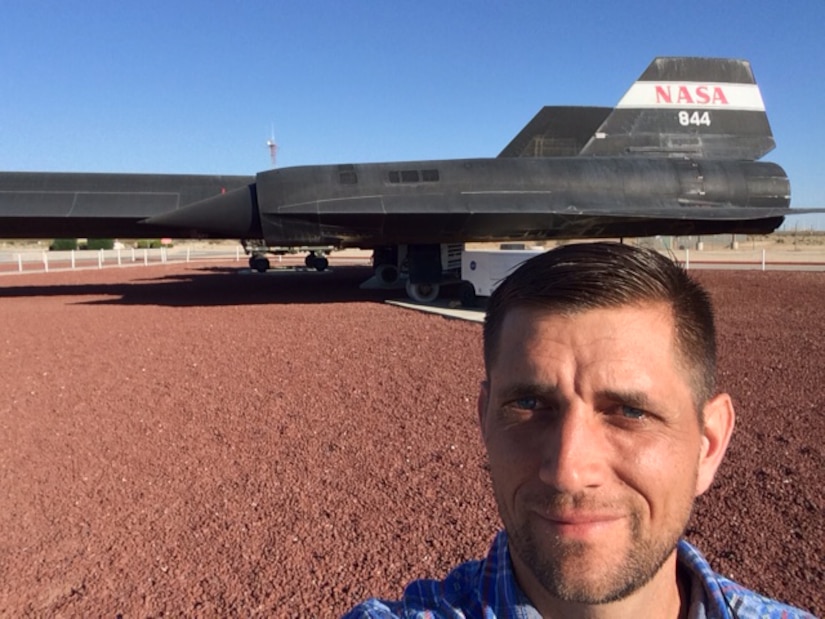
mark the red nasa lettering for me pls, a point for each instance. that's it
(691, 95)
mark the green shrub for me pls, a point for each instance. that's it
(63, 245)
(147, 243)
(100, 244)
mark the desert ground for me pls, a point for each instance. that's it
(198, 440)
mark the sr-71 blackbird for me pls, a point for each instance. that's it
(676, 156)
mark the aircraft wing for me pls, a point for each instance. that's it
(51, 205)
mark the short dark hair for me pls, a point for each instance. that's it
(579, 277)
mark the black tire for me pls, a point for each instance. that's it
(321, 263)
(423, 292)
(259, 263)
(467, 295)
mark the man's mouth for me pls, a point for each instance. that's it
(579, 525)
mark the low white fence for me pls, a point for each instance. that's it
(31, 261)
(40, 261)
(753, 260)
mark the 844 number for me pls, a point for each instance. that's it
(696, 119)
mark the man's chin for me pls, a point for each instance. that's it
(586, 572)
(577, 572)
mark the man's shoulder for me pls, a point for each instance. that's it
(724, 597)
(480, 588)
(455, 596)
(745, 603)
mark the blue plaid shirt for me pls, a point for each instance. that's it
(487, 589)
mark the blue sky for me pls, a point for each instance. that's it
(196, 87)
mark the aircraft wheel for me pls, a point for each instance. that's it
(423, 293)
(259, 263)
(321, 263)
(386, 273)
(467, 294)
(309, 261)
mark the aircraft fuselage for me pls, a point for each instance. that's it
(474, 200)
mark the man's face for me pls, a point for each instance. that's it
(595, 447)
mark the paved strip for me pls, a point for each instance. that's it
(443, 309)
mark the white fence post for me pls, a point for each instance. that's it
(763, 259)
(20, 263)
(687, 259)
(118, 257)
(100, 259)
(45, 262)
(72, 259)
(145, 257)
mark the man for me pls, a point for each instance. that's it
(602, 425)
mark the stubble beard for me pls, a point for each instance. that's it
(565, 568)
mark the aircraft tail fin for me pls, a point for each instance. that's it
(679, 107)
(695, 107)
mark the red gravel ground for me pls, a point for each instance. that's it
(191, 441)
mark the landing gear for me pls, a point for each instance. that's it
(423, 292)
(259, 263)
(319, 263)
(257, 250)
(467, 294)
(421, 268)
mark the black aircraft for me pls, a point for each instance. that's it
(676, 156)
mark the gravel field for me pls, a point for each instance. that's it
(189, 440)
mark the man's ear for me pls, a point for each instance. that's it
(483, 399)
(719, 419)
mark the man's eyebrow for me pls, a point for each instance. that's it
(636, 399)
(523, 389)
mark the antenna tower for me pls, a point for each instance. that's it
(272, 146)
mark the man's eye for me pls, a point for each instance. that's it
(527, 403)
(631, 412)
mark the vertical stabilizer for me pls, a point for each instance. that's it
(688, 107)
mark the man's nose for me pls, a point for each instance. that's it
(575, 451)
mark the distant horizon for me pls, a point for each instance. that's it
(810, 221)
